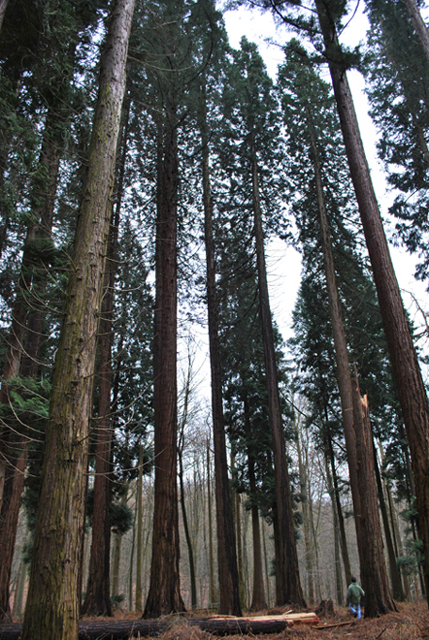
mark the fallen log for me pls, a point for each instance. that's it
(295, 618)
(108, 629)
(337, 624)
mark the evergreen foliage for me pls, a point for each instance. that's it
(398, 88)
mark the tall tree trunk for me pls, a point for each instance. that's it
(139, 523)
(52, 609)
(337, 534)
(9, 523)
(409, 383)
(419, 25)
(302, 469)
(164, 590)
(25, 336)
(359, 454)
(212, 589)
(395, 576)
(288, 584)
(229, 595)
(259, 601)
(97, 598)
(343, 538)
(378, 600)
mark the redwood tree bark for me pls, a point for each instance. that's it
(378, 600)
(52, 609)
(97, 598)
(406, 371)
(288, 583)
(164, 589)
(229, 590)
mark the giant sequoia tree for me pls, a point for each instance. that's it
(311, 118)
(54, 592)
(227, 559)
(54, 94)
(406, 370)
(251, 109)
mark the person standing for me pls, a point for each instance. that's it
(353, 597)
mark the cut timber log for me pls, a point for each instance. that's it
(255, 624)
(108, 629)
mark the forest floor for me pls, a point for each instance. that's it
(411, 622)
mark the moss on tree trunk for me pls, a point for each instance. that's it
(53, 601)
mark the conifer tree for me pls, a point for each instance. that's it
(406, 371)
(251, 108)
(54, 592)
(228, 571)
(53, 94)
(398, 87)
(312, 124)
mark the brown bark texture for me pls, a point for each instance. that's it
(9, 521)
(378, 600)
(164, 589)
(53, 604)
(288, 585)
(229, 592)
(97, 596)
(406, 371)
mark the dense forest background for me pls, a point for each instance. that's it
(161, 447)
